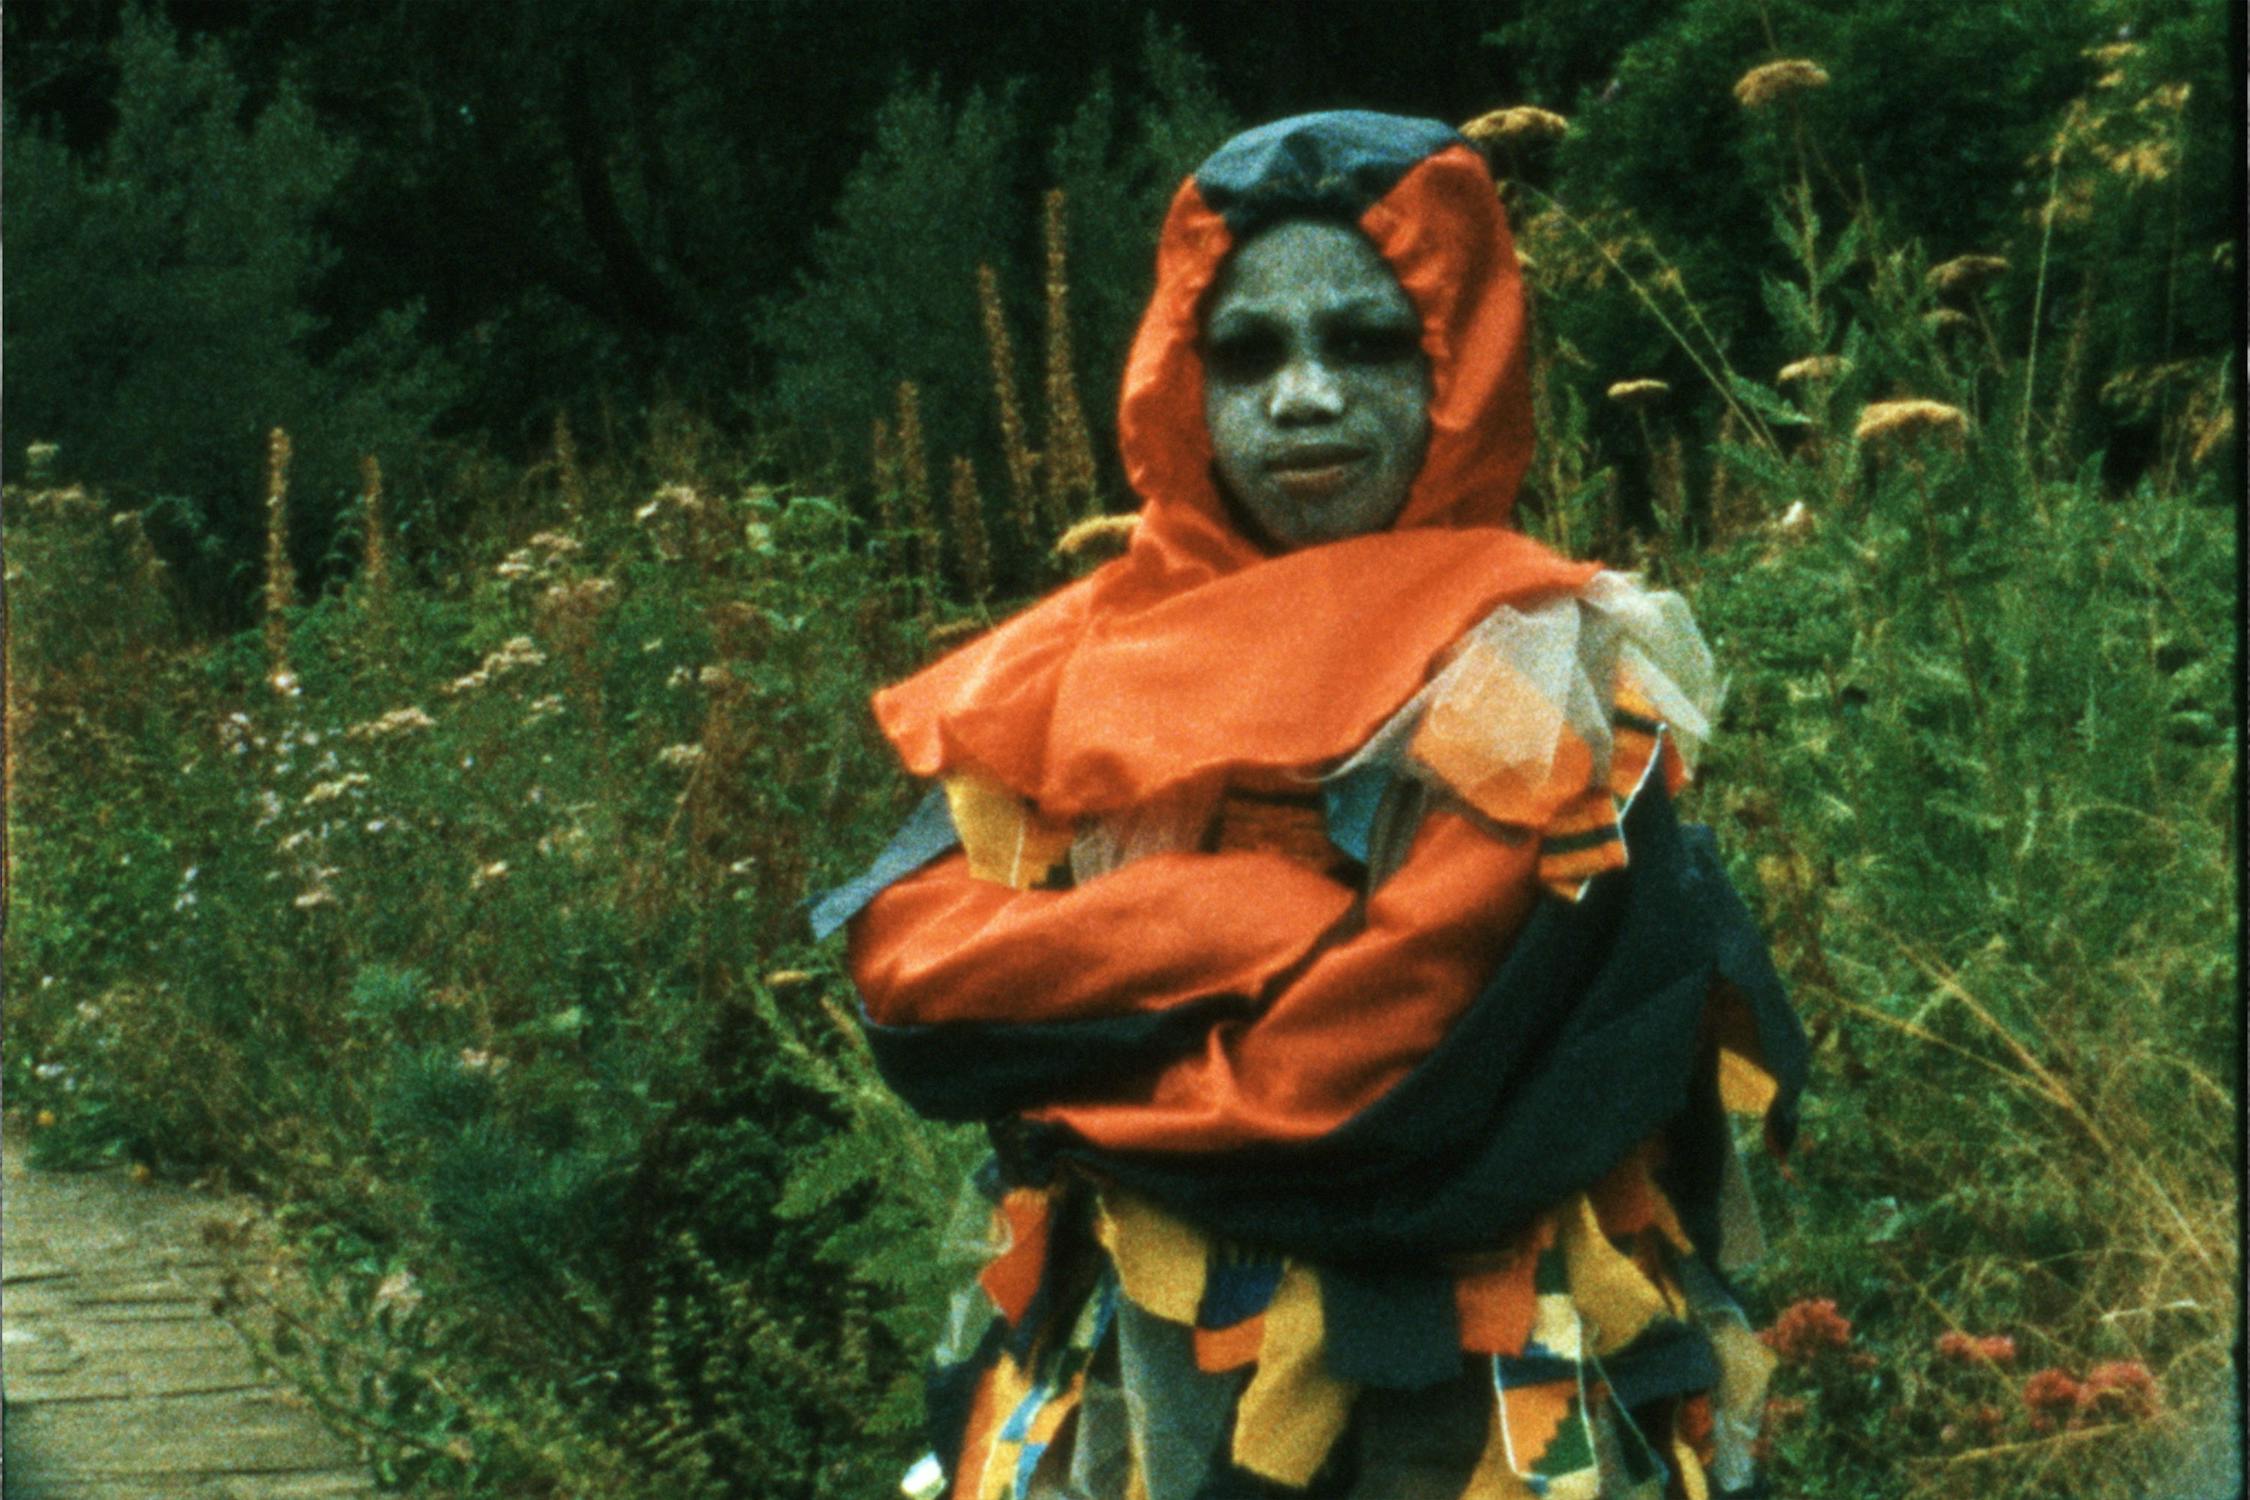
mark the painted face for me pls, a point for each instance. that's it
(1316, 389)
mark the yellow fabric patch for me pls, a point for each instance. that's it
(1614, 1295)
(1690, 1469)
(1293, 1410)
(1744, 1087)
(1745, 1365)
(1003, 1390)
(1160, 1261)
(1006, 840)
(1493, 1478)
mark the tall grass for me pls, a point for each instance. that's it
(462, 918)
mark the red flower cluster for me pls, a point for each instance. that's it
(1806, 1328)
(2122, 1387)
(1998, 1348)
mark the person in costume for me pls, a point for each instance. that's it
(1302, 908)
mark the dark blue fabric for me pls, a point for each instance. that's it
(1668, 1359)
(928, 833)
(1333, 165)
(964, 1070)
(1396, 1327)
(1235, 1290)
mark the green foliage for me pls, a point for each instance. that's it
(893, 292)
(1916, 137)
(892, 295)
(156, 323)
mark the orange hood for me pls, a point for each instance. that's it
(1198, 655)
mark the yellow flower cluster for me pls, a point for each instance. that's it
(1769, 82)
(1521, 122)
(1900, 421)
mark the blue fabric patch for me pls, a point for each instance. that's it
(928, 833)
(1349, 802)
(1332, 165)
(1237, 1289)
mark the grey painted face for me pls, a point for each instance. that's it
(1316, 389)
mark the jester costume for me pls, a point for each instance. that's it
(1356, 1026)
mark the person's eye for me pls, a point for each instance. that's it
(1242, 355)
(1373, 344)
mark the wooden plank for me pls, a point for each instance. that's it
(120, 1382)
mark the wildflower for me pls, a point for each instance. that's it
(1797, 520)
(1522, 122)
(398, 1291)
(1909, 419)
(2121, 1385)
(319, 895)
(478, 1060)
(1639, 392)
(652, 644)
(45, 1118)
(2051, 1394)
(1812, 367)
(1097, 535)
(680, 678)
(377, 825)
(544, 708)
(1806, 1328)
(742, 868)
(1767, 82)
(497, 870)
(1966, 272)
(675, 756)
(329, 791)
(398, 721)
(1998, 1348)
(50, 1071)
(284, 682)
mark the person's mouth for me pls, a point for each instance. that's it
(1315, 471)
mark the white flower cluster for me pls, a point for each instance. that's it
(518, 651)
(397, 721)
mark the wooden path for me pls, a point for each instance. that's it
(119, 1382)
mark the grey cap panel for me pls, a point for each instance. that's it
(1332, 165)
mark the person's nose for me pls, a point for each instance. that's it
(1305, 390)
